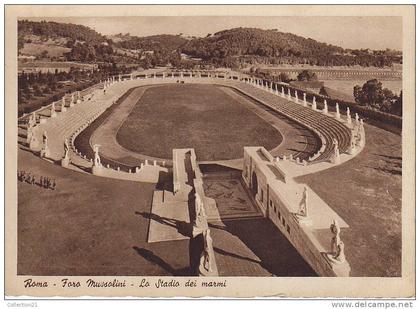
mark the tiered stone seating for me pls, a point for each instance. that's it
(68, 124)
(327, 126)
(65, 125)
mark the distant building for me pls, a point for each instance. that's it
(33, 67)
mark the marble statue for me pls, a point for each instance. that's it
(208, 247)
(303, 205)
(339, 256)
(325, 107)
(66, 148)
(32, 120)
(352, 144)
(29, 134)
(53, 113)
(348, 116)
(335, 240)
(33, 143)
(337, 111)
(336, 158)
(200, 222)
(97, 158)
(66, 159)
(44, 150)
(337, 246)
(45, 138)
(63, 104)
(313, 103)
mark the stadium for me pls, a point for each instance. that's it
(142, 168)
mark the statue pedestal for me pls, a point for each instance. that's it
(65, 161)
(340, 268)
(97, 170)
(211, 271)
(302, 220)
(335, 160)
(34, 144)
(45, 153)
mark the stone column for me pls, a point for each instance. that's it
(276, 90)
(337, 111)
(289, 95)
(282, 91)
(304, 100)
(296, 97)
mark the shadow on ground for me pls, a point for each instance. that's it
(275, 253)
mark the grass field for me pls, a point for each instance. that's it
(96, 226)
(36, 49)
(199, 116)
(366, 192)
(346, 86)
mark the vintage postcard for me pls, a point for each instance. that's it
(228, 151)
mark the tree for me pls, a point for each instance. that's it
(372, 95)
(396, 108)
(283, 77)
(306, 75)
(323, 92)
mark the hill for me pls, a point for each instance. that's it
(152, 43)
(256, 45)
(50, 29)
(238, 47)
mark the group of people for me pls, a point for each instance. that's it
(45, 182)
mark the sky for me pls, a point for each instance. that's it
(348, 32)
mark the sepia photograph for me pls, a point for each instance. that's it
(189, 152)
